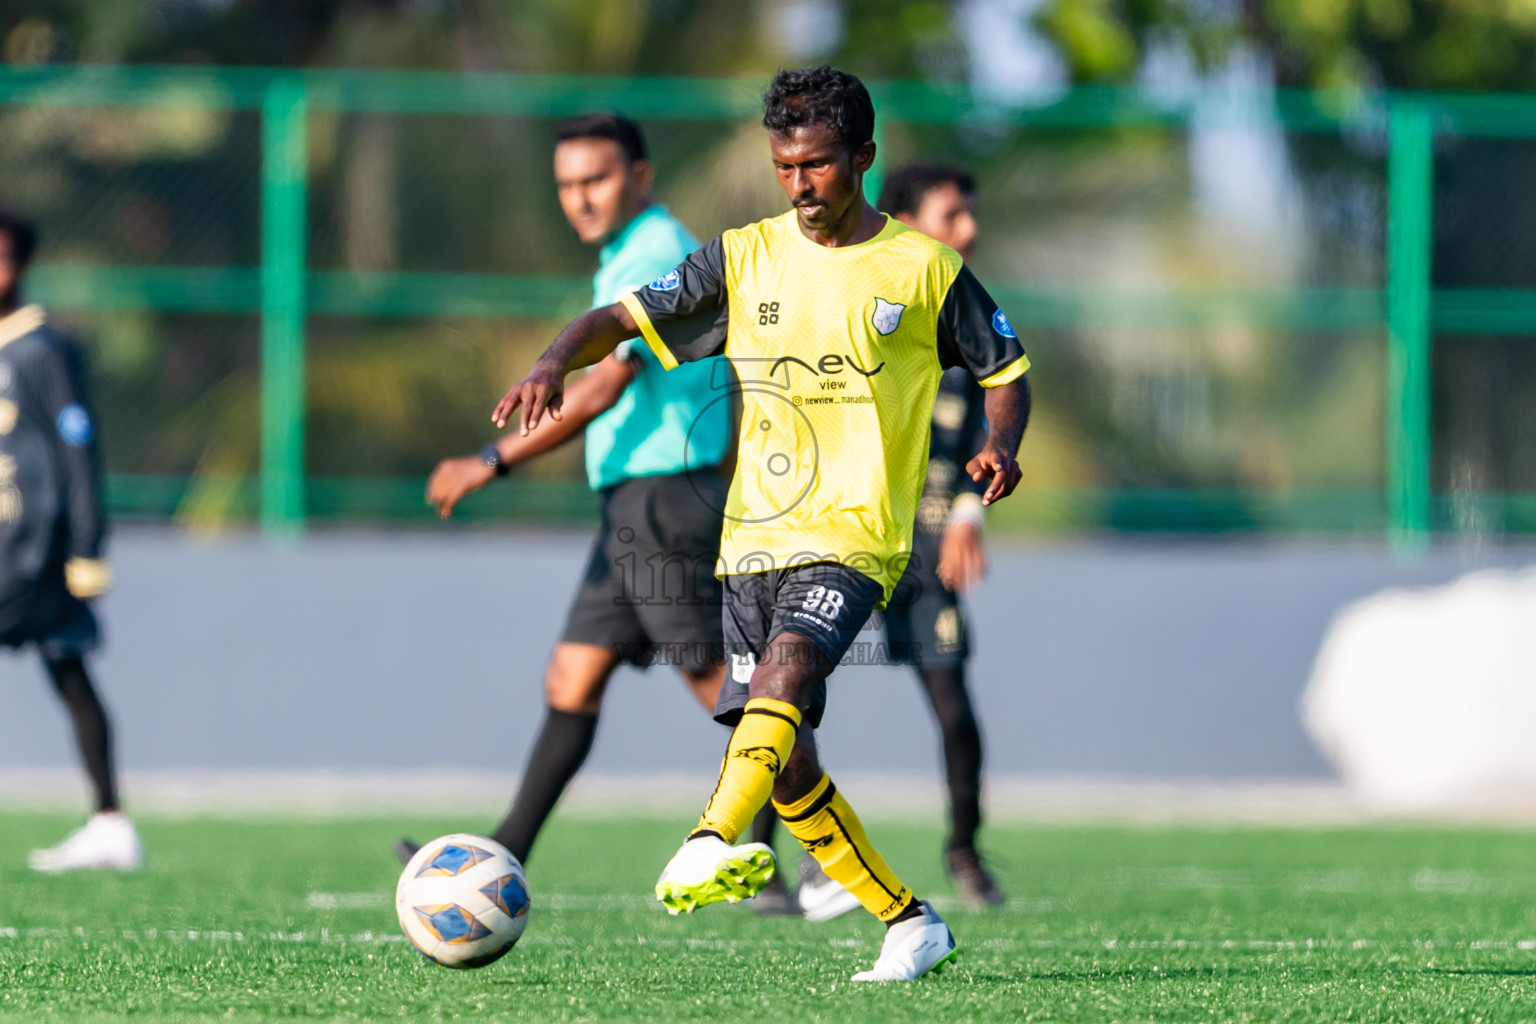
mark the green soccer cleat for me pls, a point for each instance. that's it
(709, 870)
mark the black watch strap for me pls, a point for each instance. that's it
(491, 456)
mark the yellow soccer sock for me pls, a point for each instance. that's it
(757, 752)
(827, 827)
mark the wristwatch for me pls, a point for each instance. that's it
(491, 456)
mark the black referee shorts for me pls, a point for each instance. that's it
(43, 612)
(924, 621)
(649, 592)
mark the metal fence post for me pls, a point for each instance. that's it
(1410, 207)
(284, 164)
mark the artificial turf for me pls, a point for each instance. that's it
(295, 921)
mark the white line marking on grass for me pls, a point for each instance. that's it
(194, 935)
(601, 901)
(348, 900)
(550, 901)
(369, 937)
(326, 936)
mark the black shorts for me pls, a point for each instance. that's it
(924, 622)
(649, 592)
(824, 601)
(43, 612)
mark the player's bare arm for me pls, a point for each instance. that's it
(1007, 415)
(588, 398)
(584, 341)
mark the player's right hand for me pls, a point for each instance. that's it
(1001, 467)
(541, 390)
(454, 478)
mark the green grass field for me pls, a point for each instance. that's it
(286, 921)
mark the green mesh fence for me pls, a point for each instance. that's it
(1286, 312)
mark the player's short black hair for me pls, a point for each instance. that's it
(905, 187)
(614, 127)
(821, 96)
(23, 237)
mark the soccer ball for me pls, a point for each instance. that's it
(463, 900)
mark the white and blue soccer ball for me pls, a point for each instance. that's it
(463, 900)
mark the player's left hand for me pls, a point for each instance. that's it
(87, 577)
(537, 393)
(1002, 468)
(962, 557)
(454, 478)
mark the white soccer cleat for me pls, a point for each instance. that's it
(912, 949)
(107, 840)
(822, 898)
(709, 870)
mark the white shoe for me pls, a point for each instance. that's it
(821, 898)
(912, 949)
(709, 870)
(107, 840)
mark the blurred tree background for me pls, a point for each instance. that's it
(1221, 406)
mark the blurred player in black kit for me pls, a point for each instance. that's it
(52, 533)
(925, 621)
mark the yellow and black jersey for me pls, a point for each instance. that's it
(837, 355)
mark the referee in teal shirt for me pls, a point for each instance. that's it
(653, 450)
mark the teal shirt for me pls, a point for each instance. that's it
(663, 422)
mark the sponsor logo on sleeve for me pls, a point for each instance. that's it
(1001, 325)
(75, 425)
(671, 281)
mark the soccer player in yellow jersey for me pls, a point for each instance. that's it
(839, 322)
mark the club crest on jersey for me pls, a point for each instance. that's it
(671, 281)
(887, 315)
(1001, 325)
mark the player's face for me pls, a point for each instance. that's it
(947, 215)
(600, 189)
(823, 178)
(10, 272)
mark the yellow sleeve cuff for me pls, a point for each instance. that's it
(1012, 372)
(87, 577)
(648, 331)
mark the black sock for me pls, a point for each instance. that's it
(765, 824)
(962, 751)
(558, 752)
(92, 732)
(914, 909)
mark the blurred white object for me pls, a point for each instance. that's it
(1425, 699)
(107, 840)
(821, 898)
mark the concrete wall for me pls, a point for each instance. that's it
(394, 651)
